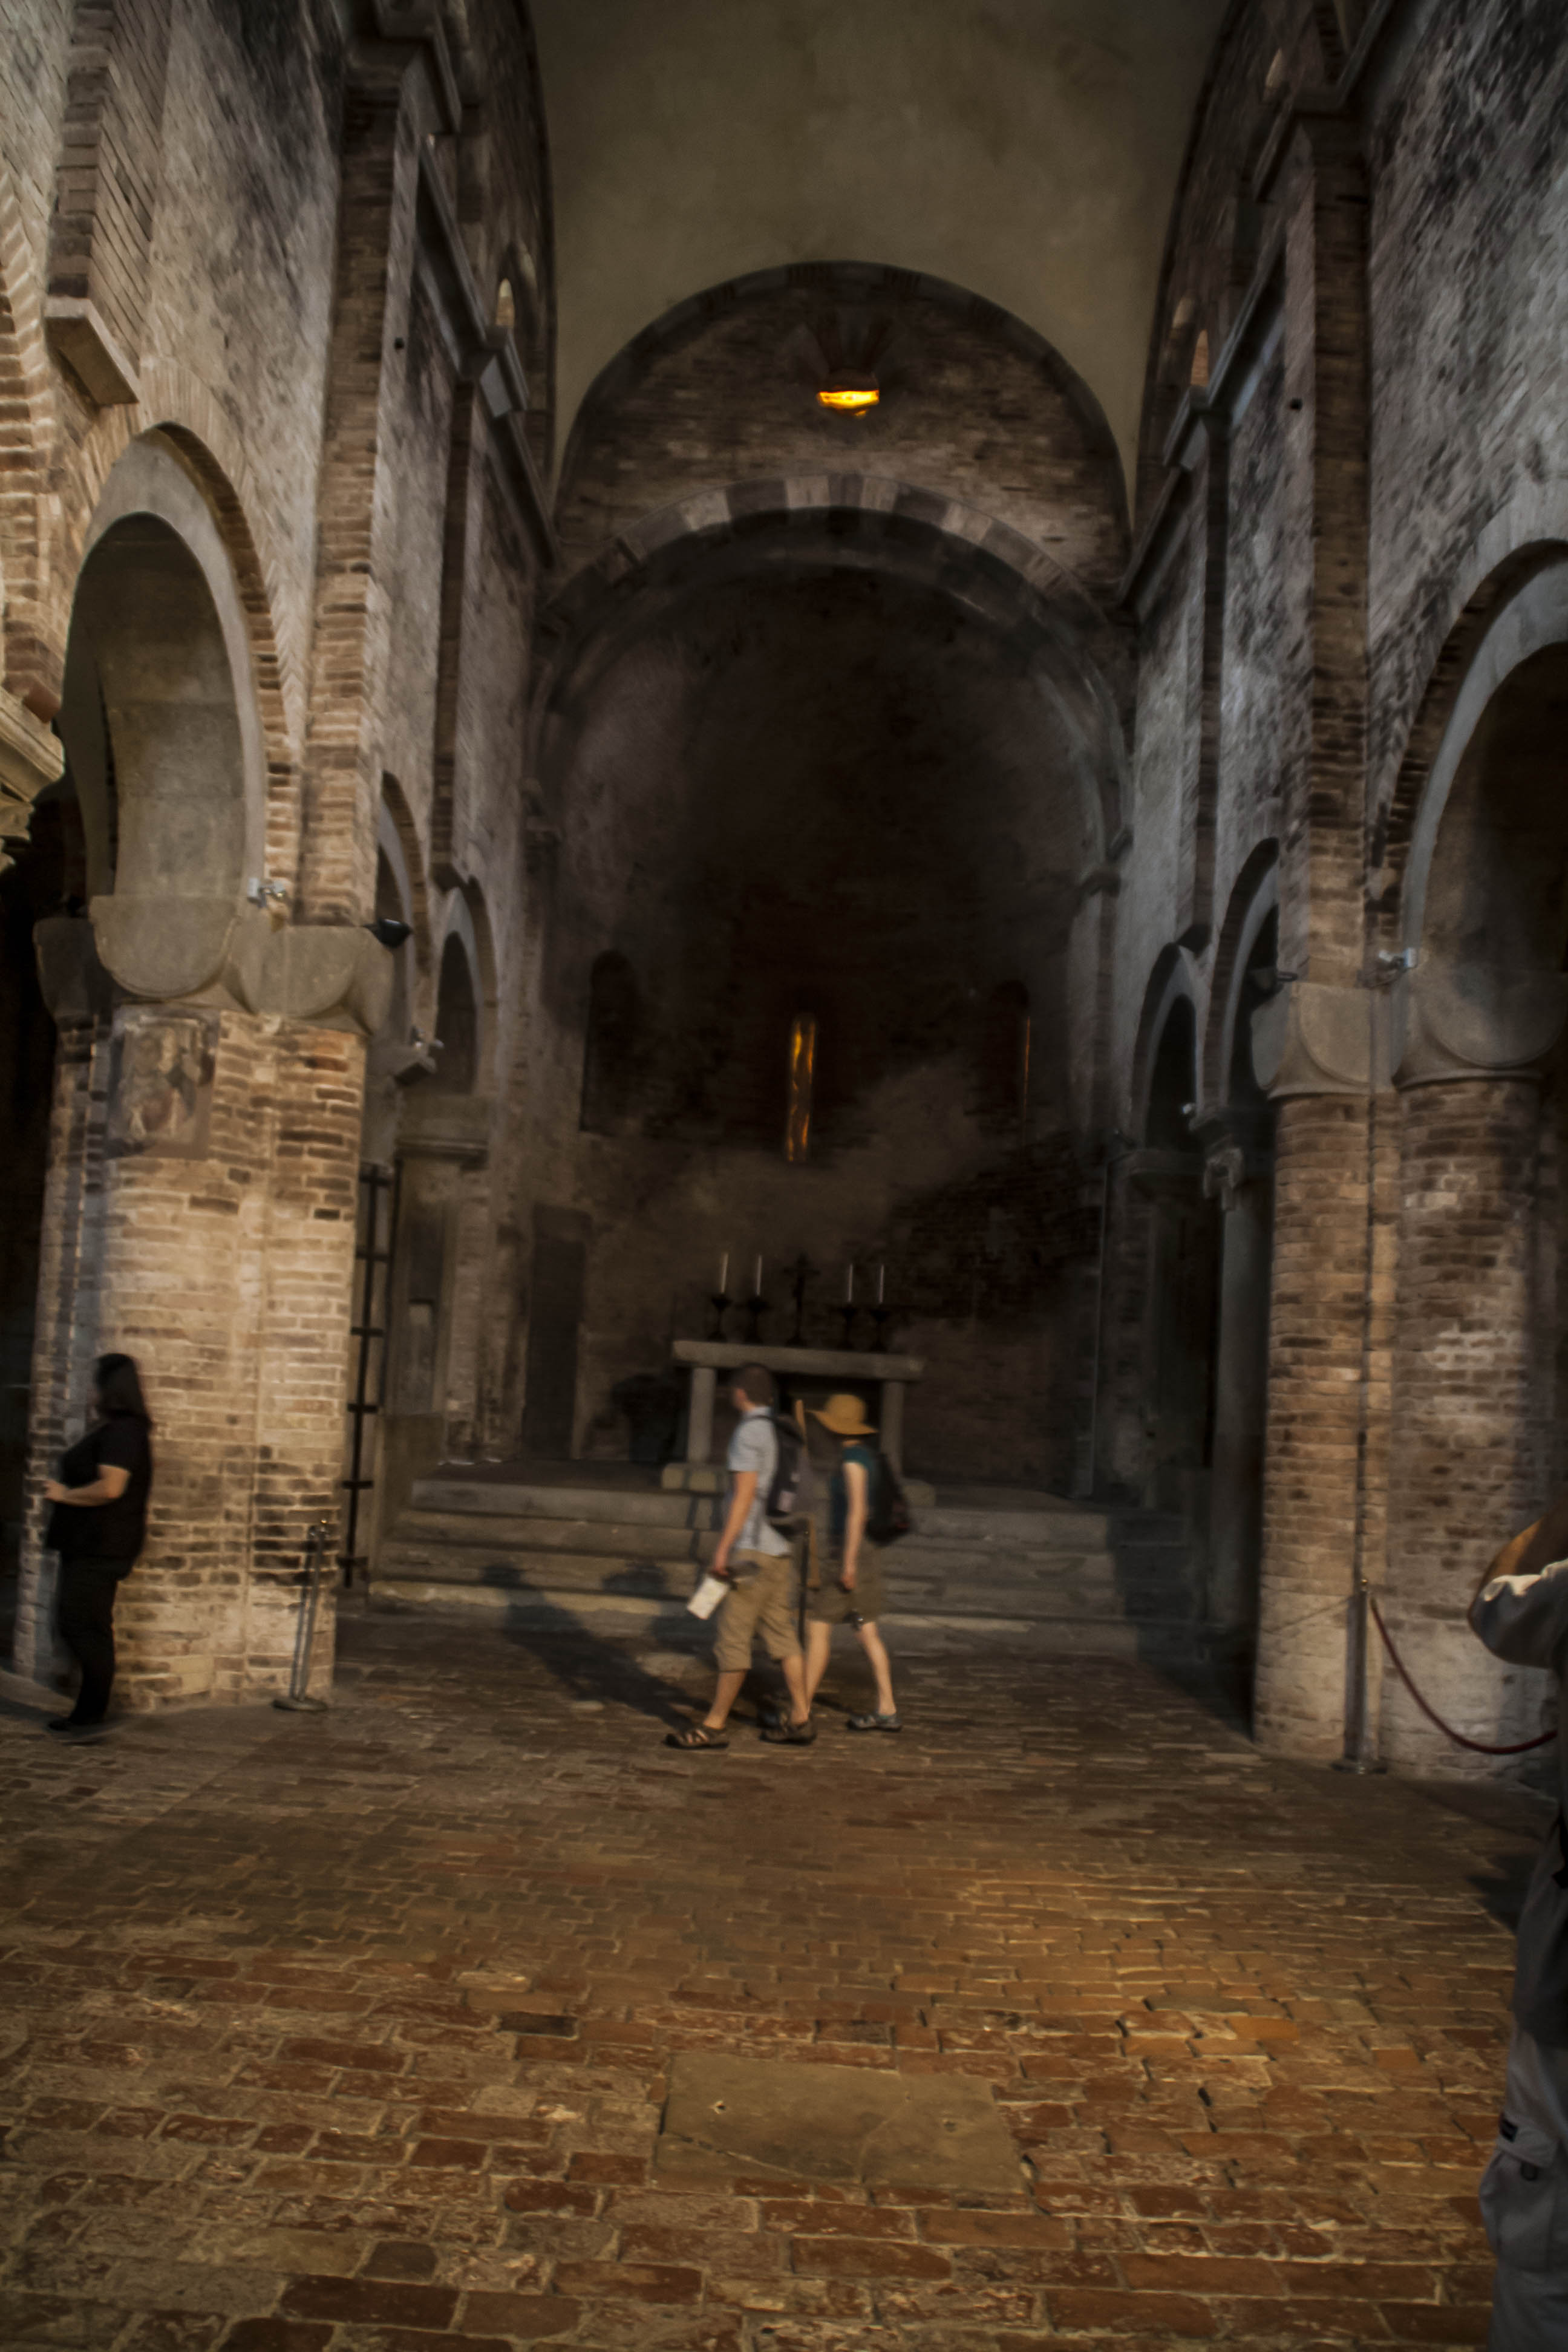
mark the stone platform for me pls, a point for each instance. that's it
(609, 1549)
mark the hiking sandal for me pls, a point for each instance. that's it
(875, 1723)
(694, 1737)
(789, 1734)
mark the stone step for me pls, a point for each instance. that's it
(516, 1531)
(570, 1575)
(629, 1615)
(488, 1499)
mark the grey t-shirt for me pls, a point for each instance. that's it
(1525, 1620)
(754, 1447)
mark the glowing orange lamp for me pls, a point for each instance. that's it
(850, 395)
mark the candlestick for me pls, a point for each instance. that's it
(756, 1306)
(720, 1302)
(849, 1316)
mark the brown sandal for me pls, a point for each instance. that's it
(695, 1735)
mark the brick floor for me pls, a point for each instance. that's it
(349, 2033)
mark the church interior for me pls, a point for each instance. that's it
(882, 691)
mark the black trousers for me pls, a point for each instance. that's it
(85, 1616)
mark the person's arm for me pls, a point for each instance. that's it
(107, 1488)
(740, 1499)
(1521, 1610)
(857, 1488)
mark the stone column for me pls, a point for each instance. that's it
(1242, 1186)
(1466, 1414)
(200, 1215)
(699, 1413)
(1312, 1052)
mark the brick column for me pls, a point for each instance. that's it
(1467, 1404)
(200, 1214)
(1241, 1385)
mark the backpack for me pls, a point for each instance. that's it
(887, 1515)
(792, 1495)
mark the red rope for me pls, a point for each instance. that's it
(1480, 1745)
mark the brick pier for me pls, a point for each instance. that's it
(351, 2034)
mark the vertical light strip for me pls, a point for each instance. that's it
(802, 1062)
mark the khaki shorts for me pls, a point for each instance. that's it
(828, 1603)
(764, 1603)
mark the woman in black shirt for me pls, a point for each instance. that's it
(98, 1526)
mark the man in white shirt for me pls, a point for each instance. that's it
(760, 1565)
(1522, 1614)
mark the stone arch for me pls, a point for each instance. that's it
(1519, 613)
(856, 282)
(397, 839)
(1255, 895)
(864, 521)
(33, 649)
(464, 996)
(1528, 534)
(156, 582)
(180, 415)
(1171, 981)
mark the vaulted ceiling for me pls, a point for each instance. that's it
(1025, 149)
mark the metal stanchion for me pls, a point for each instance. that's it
(297, 1700)
(1357, 1753)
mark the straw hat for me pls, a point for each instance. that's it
(844, 1416)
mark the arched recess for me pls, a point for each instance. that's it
(1521, 612)
(1172, 981)
(856, 522)
(1168, 1257)
(181, 425)
(1255, 896)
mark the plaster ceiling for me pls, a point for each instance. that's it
(1025, 149)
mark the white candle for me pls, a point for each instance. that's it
(881, 1283)
(724, 1272)
(757, 1281)
(849, 1284)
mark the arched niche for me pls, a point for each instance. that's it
(1172, 1080)
(159, 715)
(1247, 946)
(1531, 623)
(457, 1021)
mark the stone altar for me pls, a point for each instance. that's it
(708, 1357)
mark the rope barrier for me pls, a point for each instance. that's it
(1478, 1746)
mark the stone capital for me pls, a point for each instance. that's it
(169, 950)
(1311, 1039)
(30, 757)
(1473, 1021)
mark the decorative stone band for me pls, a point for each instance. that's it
(167, 950)
(30, 757)
(1313, 1040)
(1434, 1025)
(1475, 1022)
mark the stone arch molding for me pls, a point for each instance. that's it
(1173, 980)
(1255, 895)
(1447, 1022)
(871, 522)
(173, 926)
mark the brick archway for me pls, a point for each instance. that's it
(866, 522)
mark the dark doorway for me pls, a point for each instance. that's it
(555, 1317)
